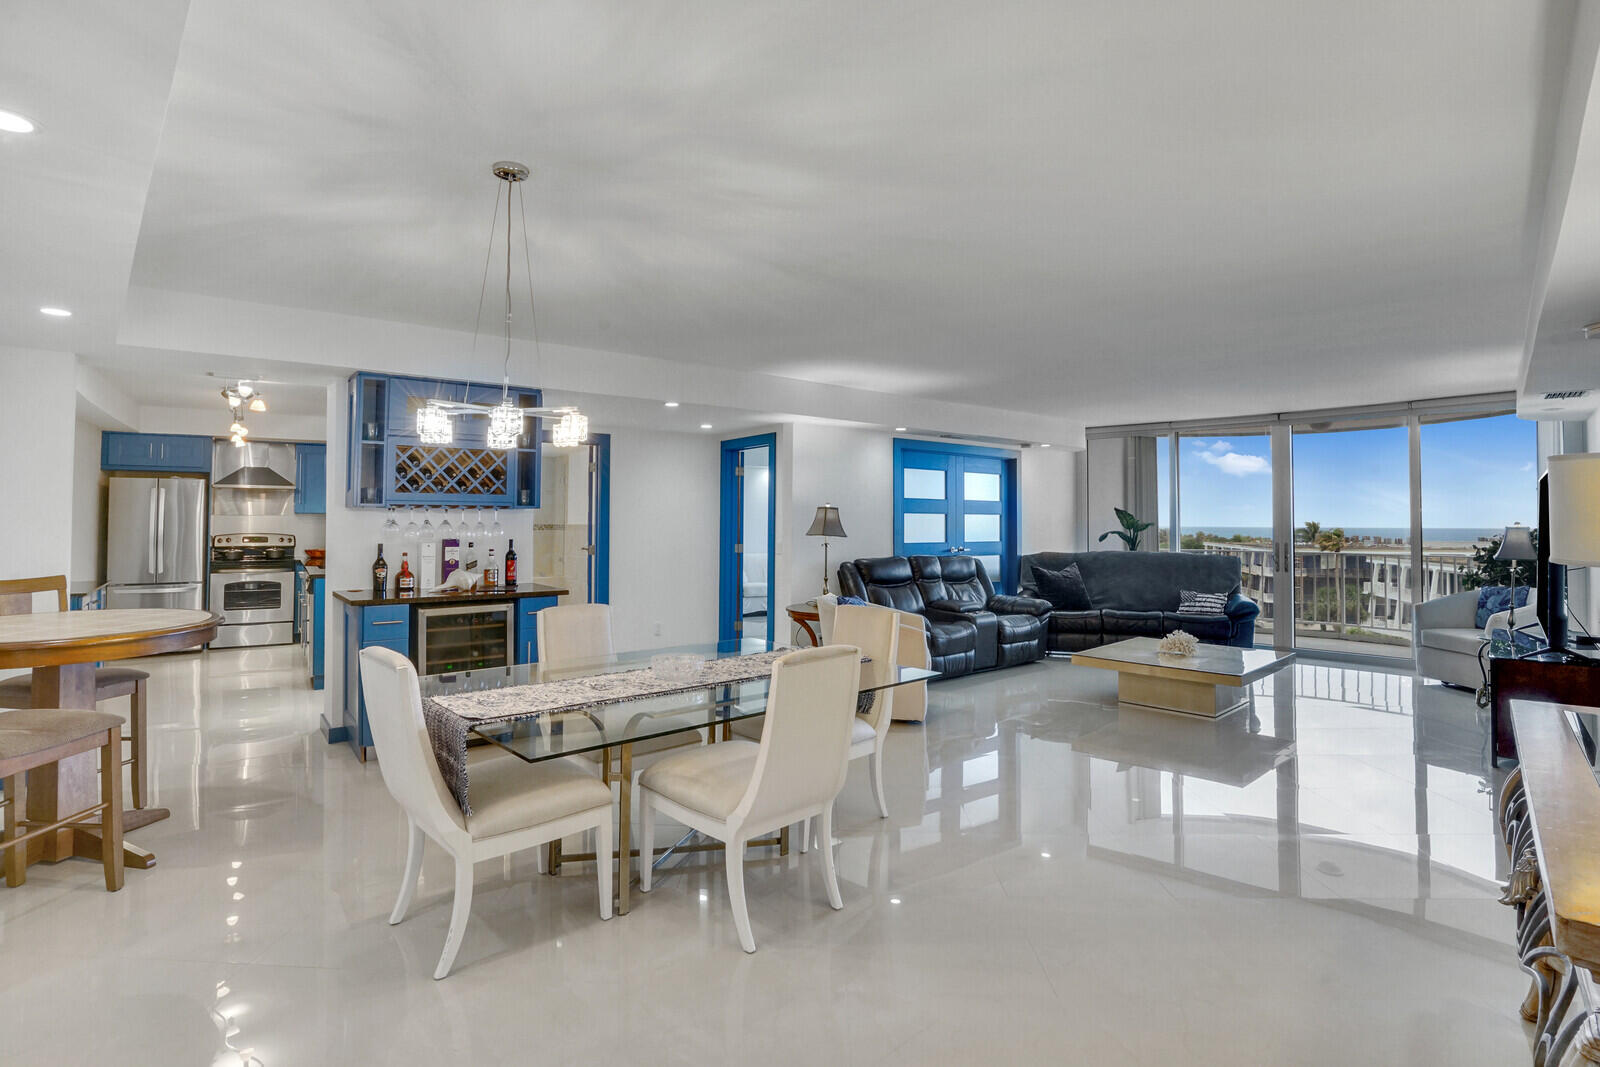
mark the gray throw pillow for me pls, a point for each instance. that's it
(1193, 603)
(1063, 588)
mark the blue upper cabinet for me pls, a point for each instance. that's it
(310, 479)
(390, 466)
(175, 453)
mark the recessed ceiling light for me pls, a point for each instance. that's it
(1045, 445)
(11, 122)
(894, 900)
(56, 313)
(670, 404)
(705, 426)
(899, 429)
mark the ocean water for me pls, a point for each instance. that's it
(1430, 534)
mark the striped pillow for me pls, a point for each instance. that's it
(1193, 603)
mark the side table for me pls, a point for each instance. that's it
(1511, 679)
(803, 615)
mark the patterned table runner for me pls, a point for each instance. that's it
(452, 715)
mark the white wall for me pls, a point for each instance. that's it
(852, 469)
(38, 435)
(665, 506)
(1106, 472)
(1591, 617)
(1047, 494)
(88, 505)
(213, 422)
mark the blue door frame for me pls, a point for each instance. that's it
(953, 507)
(730, 599)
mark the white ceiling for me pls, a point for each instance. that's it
(1109, 211)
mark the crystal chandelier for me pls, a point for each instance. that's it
(571, 430)
(505, 424)
(433, 424)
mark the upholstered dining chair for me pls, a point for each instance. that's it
(740, 789)
(573, 637)
(911, 700)
(876, 632)
(16, 598)
(515, 805)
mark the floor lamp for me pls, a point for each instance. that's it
(826, 524)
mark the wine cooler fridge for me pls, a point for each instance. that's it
(467, 638)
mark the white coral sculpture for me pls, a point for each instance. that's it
(1178, 643)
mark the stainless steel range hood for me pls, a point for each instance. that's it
(255, 466)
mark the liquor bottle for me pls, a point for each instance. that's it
(405, 583)
(380, 575)
(491, 576)
(511, 564)
(470, 560)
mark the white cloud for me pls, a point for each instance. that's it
(1238, 464)
(1525, 468)
(1219, 447)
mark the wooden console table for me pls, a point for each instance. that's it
(1550, 823)
(1530, 679)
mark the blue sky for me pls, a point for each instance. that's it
(1476, 473)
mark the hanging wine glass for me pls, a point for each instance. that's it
(497, 531)
(391, 527)
(428, 533)
(445, 529)
(481, 530)
(412, 530)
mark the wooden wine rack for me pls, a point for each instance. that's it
(434, 470)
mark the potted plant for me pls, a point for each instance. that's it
(1132, 529)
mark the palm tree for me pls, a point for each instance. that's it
(1308, 533)
(1334, 541)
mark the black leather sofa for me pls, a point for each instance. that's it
(1135, 594)
(970, 626)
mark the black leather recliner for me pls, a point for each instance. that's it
(970, 627)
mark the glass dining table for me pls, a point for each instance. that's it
(606, 708)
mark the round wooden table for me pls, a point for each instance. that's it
(62, 648)
(803, 615)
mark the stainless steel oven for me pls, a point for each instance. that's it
(252, 588)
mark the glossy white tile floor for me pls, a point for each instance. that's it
(1312, 882)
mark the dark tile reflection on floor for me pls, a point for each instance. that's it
(1310, 880)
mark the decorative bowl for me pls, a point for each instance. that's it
(678, 666)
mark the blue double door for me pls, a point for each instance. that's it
(953, 500)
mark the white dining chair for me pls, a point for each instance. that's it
(573, 636)
(576, 639)
(740, 789)
(876, 632)
(515, 805)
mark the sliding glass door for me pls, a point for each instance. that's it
(1342, 522)
(1352, 538)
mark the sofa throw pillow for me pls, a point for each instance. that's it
(855, 600)
(1063, 588)
(1493, 598)
(1193, 603)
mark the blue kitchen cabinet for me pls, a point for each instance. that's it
(316, 646)
(528, 609)
(310, 479)
(376, 626)
(391, 467)
(166, 452)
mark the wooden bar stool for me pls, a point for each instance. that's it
(16, 598)
(39, 737)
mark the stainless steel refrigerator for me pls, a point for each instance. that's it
(156, 542)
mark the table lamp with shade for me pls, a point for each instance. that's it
(826, 525)
(1573, 536)
(1516, 547)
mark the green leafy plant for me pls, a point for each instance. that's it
(1132, 529)
(1485, 570)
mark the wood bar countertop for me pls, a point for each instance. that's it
(363, 598)
(1564, 801)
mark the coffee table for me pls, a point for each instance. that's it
(1212, 682)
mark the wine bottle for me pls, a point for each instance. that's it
(405, 583)
(380, 575)
(511, 564)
